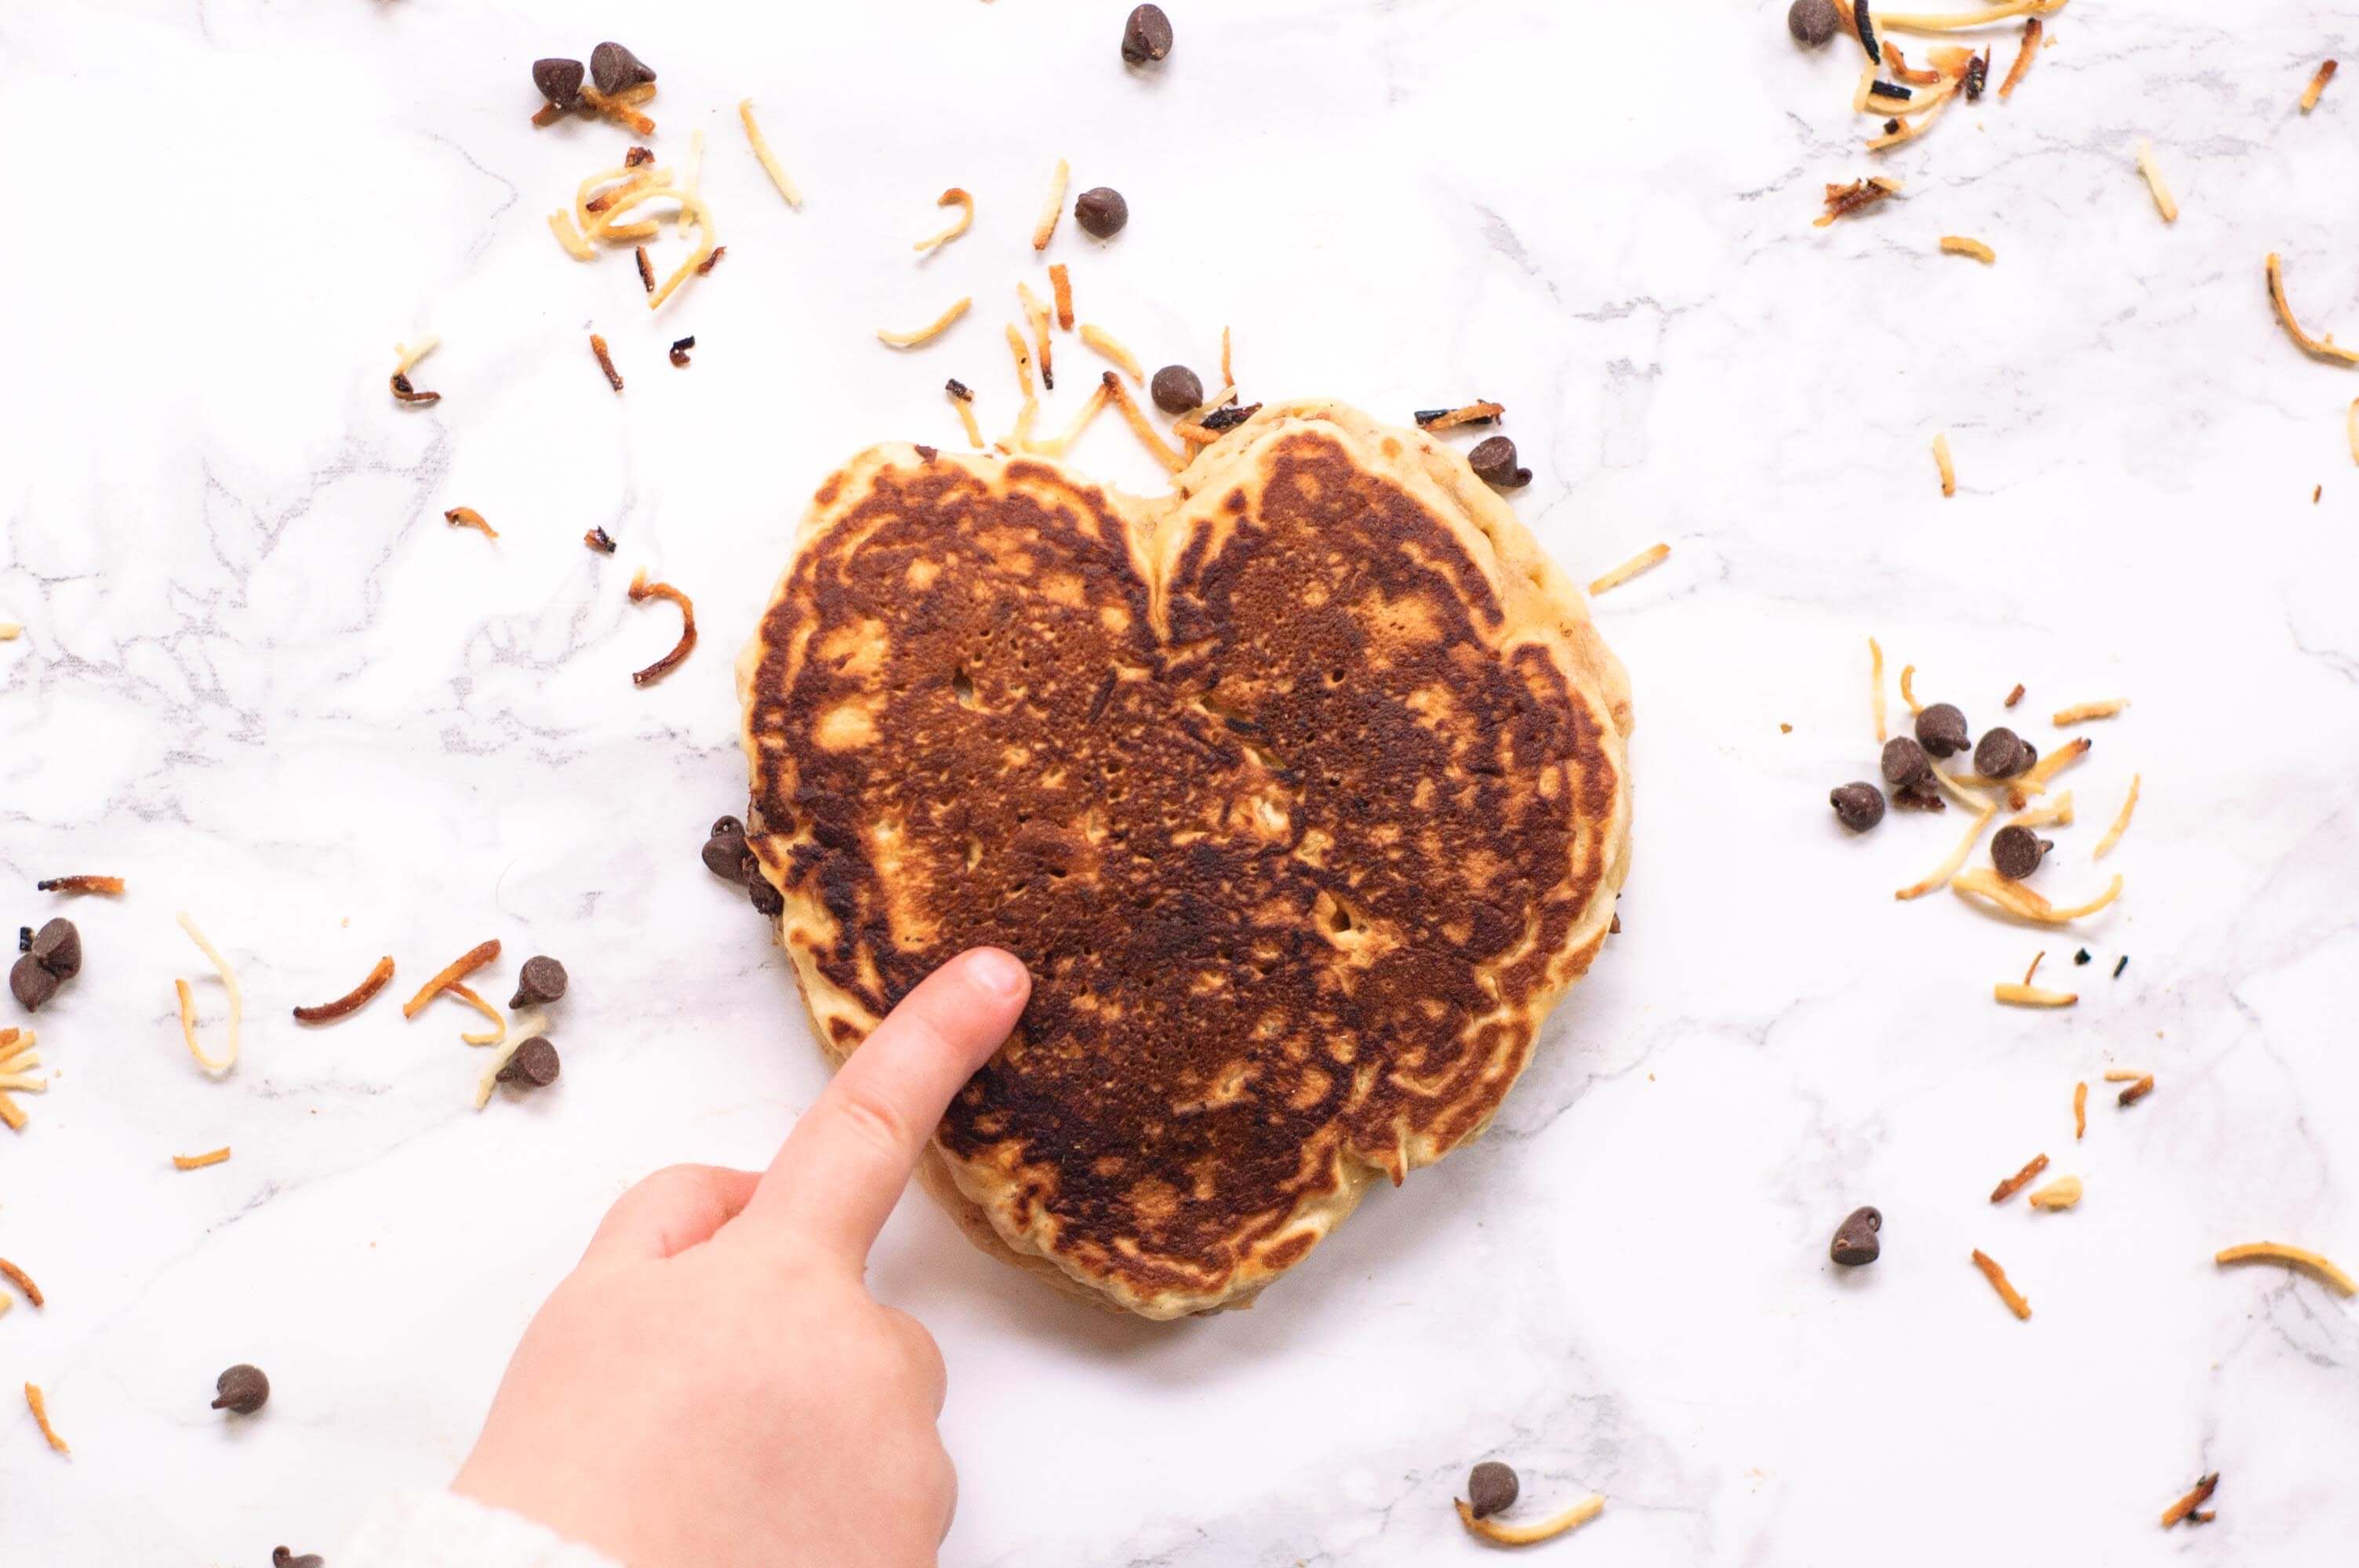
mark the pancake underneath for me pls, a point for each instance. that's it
(1302, 792)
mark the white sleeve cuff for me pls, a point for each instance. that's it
(442, 1529)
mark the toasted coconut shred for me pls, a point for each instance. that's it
(199, 1162)
(2197, 1495)
(2164, 202)
(81, 882)
(1875, 687)
(1908, 688)
(468, 517)
(22, 1281)
(2062, 1192)
(1549, 1529)
(1061, 282)
(2036, 780)
(642, 590)
(19, 1074)
(1036, 312)
(1113, 350)
(2136, 1092)
(2253, 1252)
(2028, 995)
(2324, 347)
(1959, 21)
(499, 1029)
(188, 1006)
(2057, 812)
(2015, 73)
(1842, 200)
(1481, 413)
(407, 357)
(2124, 1074)
(2120, 822)
(2310, 94)
(2023, 903)
(2021, 1179)
(1136, 419)
(605, 362)
(1644, 560)
(963, 400)
(1057, 445)
(2014, 1299)
(1948, 469)
(352, 1000)
(1960, 245)
(458, 970)
(762, 154)
(1052, 208)
(1228, 376)
(1948, 869)
(930, 330)
(40, 1405)
(2081, 712)
(2080, 1110)
(2351, 427)
(953, 197)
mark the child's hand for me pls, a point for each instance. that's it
(713, 1384)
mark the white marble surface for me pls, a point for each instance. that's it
(262, 680)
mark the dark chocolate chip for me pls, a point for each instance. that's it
(1493, 461)
(57, 947)
(1812, 22)
(1942, 730)
(1855, 1239)
(1101, 212)
(1858, 806)
(614, 69)
(1148, 35)
(2001, 753)
(1491, 1487)
(542, 978)
(532, 1066)
(2015, 851)
(2081, 957)
(30, 984)
(725, 853)
(282, 1558)
(1230, 418)
(1905, 761)
(1176, 389)
(559, 80)
(242, 1388)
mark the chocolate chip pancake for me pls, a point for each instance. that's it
(1301, 791)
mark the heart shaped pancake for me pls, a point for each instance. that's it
(1302, 792)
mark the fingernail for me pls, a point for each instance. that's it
(997, 971)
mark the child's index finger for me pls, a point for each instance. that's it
(845, 1163)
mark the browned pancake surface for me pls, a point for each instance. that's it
(1289, 845)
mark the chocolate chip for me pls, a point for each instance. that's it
(30, 984)
(2016, 850)
(1493, 461)
(1905, 761)
(1232, 417)
(57, 947)
(559, 80)
(1148, 35)
(532, 1066)
(242, 1388)
(726, 852)
(1858, 806)
(1855, 1242)
(1942, 730)
(2001, 753)
(1812, 22)
(282, 1558)
(542, 978)
(1101, 212)
(1922, 796)
(614, 69)
(1176, 389)
(1491, 1487)
(2081, 957)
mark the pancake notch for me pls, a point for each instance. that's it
(1302, 792)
